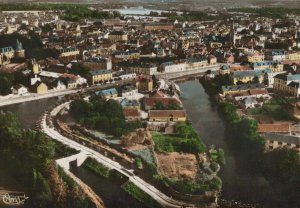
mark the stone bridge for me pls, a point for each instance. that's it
(79, 158)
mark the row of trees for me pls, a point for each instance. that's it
(161, 106)
(103, 115)
(79, 12)
(281, 166)
(271, 12)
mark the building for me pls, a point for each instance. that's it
(167, 115)
(255, 57)
(144, 84)
(108, 93)
(39, 88)
(250, 76)
(238, 89)
(130, 103)
(173, 66)
(211, 59)
(6, 54)
(19, 89)
(139, 68)
(288, 84)
(131, 114)
(158, 26)
(72, 81)
(124, 75)
(282, 128)
(100, 76)
(275, 140)
(98, 63)
(35, 67)
(224, 69)
(133, 54)
(275, 55)
(196, 63)
(129, 90)
(116, 36)
(275, 66)
(293, 56)
(67, 52)
(19, 51)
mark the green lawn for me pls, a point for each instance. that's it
(185, 139)
(275, 108)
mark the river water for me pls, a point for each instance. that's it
(210, 127)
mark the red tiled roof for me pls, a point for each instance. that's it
(131, 112)
(258, 91)
(275, 128)
(167, 113)
(69, 76)
(165, 101)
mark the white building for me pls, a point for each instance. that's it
(19, 89)
(170, 67)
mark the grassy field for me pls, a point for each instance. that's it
(274, 108)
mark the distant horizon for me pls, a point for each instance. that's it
(172, 4)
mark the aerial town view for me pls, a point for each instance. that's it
(150, 104)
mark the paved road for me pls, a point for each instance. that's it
(34, 96)
(146, 187)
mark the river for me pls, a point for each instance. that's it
(210, 127)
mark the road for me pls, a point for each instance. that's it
(34, 96)
(146, 187)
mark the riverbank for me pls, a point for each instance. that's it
(209, 125)
(269, 167)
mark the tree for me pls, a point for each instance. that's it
(5, 85)
(255, 79)
(79, 69)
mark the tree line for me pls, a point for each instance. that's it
(103, 115)
(27, 156)
(280, 166)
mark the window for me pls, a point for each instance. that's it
(270, 147)
(279, 143)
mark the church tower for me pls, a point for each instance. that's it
(19, 51)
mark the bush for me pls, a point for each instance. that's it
(185, 139)
(140, 195)
(97, 167)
